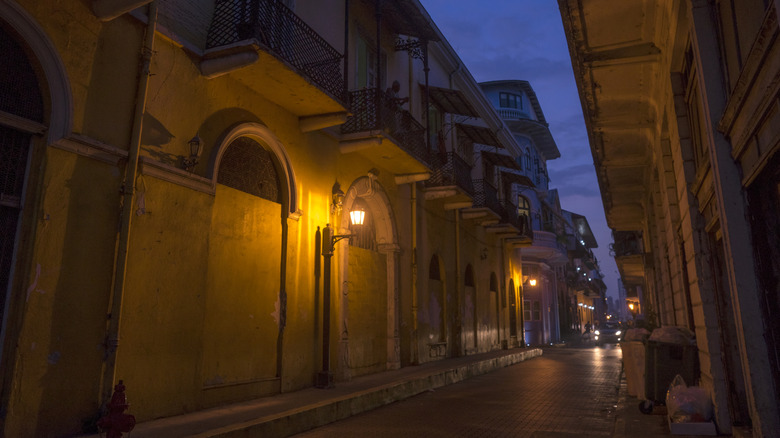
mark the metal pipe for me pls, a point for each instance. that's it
(415, 335)
(346, 49)
(458, 289)
(128, 185)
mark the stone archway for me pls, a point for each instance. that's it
(254, 188)
(357, 353)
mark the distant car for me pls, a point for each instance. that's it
(609, 333)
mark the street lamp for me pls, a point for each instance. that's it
(633, 308)
(329, 239)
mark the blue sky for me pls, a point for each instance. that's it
(524, 39)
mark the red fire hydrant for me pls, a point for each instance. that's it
(116, 422)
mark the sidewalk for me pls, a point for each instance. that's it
(290, 413)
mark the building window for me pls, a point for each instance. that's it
(528, 159)
(527, 310)
(433, 269)
(693, 103)
(537, 311)
(523, 206)
(248, 167)
(510, 100)
(469, 278)
(436, 120)
(365, 65)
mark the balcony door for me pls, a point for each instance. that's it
(366, 73)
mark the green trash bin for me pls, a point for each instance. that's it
(663, 361)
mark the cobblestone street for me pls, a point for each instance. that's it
(564, 392)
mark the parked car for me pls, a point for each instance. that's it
(609, 333)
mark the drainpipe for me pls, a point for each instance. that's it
(128, 185)
(346, 49)
(458, 302)
(415, 334)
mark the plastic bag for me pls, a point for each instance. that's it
(636, 334)
(673, 335)
(687, 404)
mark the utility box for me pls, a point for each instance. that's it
(663, 361)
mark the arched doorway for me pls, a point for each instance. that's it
(245, 296)
(512, 312)
(495, 303)
(470, 322)
(368, 272)
(432, 323)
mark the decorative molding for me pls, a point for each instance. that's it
(91, 148)
(177, 176)
(767, 36)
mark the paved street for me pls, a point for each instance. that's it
(564, 392)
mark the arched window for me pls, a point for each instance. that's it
(364, 236)
(433, 269)
(20, 95)
(468, 280)
(528, 165)
(250, 168)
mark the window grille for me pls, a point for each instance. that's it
(20, 93)
(250, 168)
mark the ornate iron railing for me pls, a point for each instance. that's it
(485, 195)
(373, 110)
(283, 34)
(454, 171)
(627, 243)
(509, 215)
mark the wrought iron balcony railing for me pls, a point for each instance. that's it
(373, 110)
(627, 243)
(509, 215)
(283, 34)
(454, 171)
(485, 195)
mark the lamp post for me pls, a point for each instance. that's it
(329, 240)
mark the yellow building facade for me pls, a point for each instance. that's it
(168, 176)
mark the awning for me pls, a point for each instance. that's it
(478, 134)
(405, 17)
(451, 101)
(515, 178)
(500, 160)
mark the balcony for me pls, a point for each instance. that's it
(378, 129)
(629, 255)
(513, 113)
(299, 70)
(450, 181)
(546, 247)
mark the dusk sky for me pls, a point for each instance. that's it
(524, 39)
